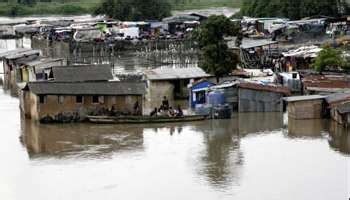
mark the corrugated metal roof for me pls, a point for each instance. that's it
(176, 73)
(268, 88)
(304, 98)
(87, 88)
(41, 61)
(19, 53)
(338, 97)
(250, 43)
(322, 81)
(81, 73)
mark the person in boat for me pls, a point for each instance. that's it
(154, 113)
(165, 104)
(171, 112)
(179, 112)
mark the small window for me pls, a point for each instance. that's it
(79, 99)
(60, 99)
(42, 99)
(94, 99)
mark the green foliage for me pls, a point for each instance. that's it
(330, 58)
(293, 9)
(216, 58)
(135, 9)
(56, 7)
(27, 2)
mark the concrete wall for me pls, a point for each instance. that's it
(34, 109)
(258, 101)
(305, 109)
(56, 49)
(156, 90)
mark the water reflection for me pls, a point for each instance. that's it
(79, 140)
(222, 158)
(339, 138)
(219, 153)
(315, 128)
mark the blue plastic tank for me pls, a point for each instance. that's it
(216, 98)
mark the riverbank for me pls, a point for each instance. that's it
(78, 8)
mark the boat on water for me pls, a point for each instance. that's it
(143, 119)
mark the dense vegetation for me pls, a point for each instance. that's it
(135, 9)
(294, 9)
(330, 59)
(41, 7)
(215, 57)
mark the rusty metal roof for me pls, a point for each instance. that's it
(267, 88)
(322, 81)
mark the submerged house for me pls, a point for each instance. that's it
(339, 107)
(75, 92)
(198, 92)
(37, 69)
(252, 97)
(305, 107)
(171, 83)
(11, 61)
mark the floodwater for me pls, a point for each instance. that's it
(252, 156)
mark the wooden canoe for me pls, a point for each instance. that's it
(143, 119)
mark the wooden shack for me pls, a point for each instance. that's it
(244, 96)
(305, 107)
(339, 107)
(11, 61)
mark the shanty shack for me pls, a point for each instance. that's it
(11, 63)
(339, 107)
(33, 70)
(252, 97)
(171, 83)
(305, 107)
(72, 92)
(199, 91)
(326, 83)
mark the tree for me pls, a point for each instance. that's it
(135, 10)
(294, 9)
(330, 58)
(215, 57)
(27, 2)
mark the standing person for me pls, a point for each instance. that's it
(165, 103)
(136, 108)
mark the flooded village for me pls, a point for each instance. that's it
(93, 107)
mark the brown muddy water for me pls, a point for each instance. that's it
(252, 156)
